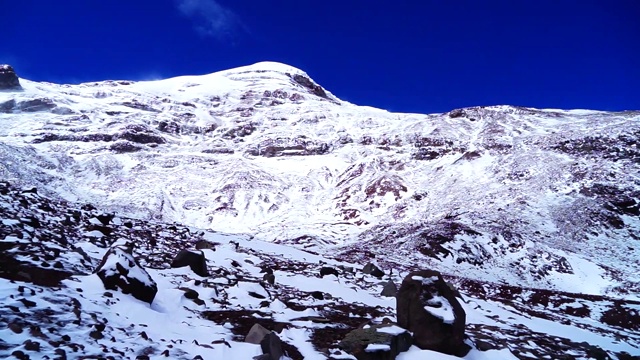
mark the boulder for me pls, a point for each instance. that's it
(119, 270)
(328, 270)
(256, 334)
(373, 270)
(390, 289)
(8, 78)
(272, 346)
(426, 306)
(193, 259)
(378, 342)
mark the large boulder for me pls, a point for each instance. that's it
(428, 307)
(377, 342)
(8, 78)
(119, 270)
(192, 258)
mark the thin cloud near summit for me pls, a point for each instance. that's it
(211, 18)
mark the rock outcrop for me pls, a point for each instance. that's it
(119, 270)
(427, 306)
(8, 78)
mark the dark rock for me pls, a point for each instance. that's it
(317, 295)
(272, 345)
(456, 113)
(270, 278)
(191, 294)
(16, 328)
(389, 289)
(307, 83)
(27, 303)
(484, 346)
(327, 270)
(373, 270)
(115, 271)
(8, 78)
(31, 345)
(8, 106)
(391, 341)
(195, 260)
(204, 244)
(442, 327)
(36, 105)
(256, 334)
(105, 219)
(122, 147)
(20, 355)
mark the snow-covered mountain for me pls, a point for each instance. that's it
(527, 198)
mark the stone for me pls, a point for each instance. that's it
(377, 342)
(427, 307)
(327, 270)
(390, 289)
(31, 345)
(8, 78)
(193, 259)
(373, 270)
(270, 278)
(204, 244)
(119, 270)
(256, 334)
(272, 345)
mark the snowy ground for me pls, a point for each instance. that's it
(72, 312)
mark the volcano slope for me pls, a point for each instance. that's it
(540, 208)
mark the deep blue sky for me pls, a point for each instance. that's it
(411, 56)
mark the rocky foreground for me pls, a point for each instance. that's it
(78, 283)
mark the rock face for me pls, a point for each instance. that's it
(427, 307)
(193, 259)
(118, 270)
(378, 342)
(8, 78)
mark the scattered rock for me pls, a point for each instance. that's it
(204, 244)
(270, 278)
(194, 259)
(390, 289)
(272, 345)
(327, 270)
(32, 345)
(373, 270)
(378, 342)
(427, 307)
(256, 334)
(118, 270)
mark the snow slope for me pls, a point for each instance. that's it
(532, 198)
(53, 305)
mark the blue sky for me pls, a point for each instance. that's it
(410, 56)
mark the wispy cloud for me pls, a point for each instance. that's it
(211, 19)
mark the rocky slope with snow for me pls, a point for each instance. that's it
(54, 305)
(525, 199)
